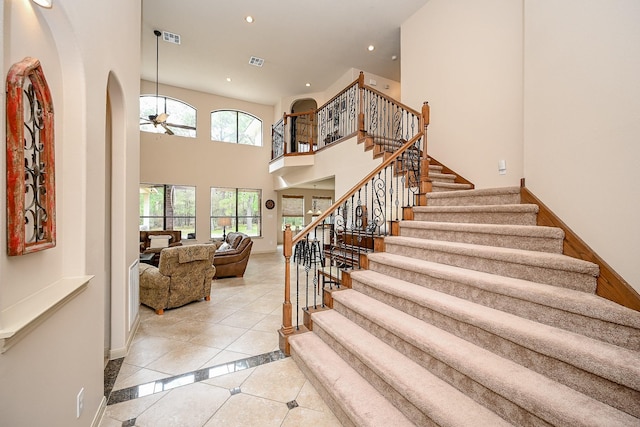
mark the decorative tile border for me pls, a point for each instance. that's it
(169, 383)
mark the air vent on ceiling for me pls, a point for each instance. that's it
(258, 62)
(171, 37)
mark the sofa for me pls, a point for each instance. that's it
(152, 242)
(183, 275)
(232, 255)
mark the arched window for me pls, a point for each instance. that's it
(236, 126)
(181, 119)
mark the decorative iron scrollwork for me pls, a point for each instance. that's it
(30, 160)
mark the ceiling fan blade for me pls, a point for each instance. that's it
(167, 130)
(174, 125)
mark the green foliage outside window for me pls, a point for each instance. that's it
(168, 207)
(237, 127)
(241, 206)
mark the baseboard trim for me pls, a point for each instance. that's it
(117, 353)
(97, 419)
(610, 284)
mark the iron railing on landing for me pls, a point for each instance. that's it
(357, 110)
(341, 237)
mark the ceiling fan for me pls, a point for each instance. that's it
(158, 119)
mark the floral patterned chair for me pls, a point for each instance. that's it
(183, 275)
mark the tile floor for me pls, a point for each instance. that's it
(225, 352)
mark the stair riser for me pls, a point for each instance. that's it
(386, 389)
(616, 395)
(488, 398)
(527, 218)
(612, 333)
(563, 278)
(322, 389)
(482, 200)
(531, 243)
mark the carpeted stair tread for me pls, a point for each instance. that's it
(441, 402)
(442, 177)
(541, 295)
(547, 399)
(603, 359)
(509, 208)
(518, 214)
(363, 404)
(465, 197)
(530, 237)
(447, 186)
(544, 267)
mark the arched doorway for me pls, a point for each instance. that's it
(297, 123)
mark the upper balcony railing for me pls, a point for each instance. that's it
(357, 110)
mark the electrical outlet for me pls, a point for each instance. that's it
(80, 402)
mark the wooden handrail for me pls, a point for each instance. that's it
(355, 188)
(346, 89)
(388, 98)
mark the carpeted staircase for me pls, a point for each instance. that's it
(473, 317)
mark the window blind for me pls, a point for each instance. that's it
(292, 206)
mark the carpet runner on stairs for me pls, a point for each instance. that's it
(473, 317)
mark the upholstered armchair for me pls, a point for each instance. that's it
(183, 275)
(232, 257)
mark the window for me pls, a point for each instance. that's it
(292, 211)
(168, 207)
(181, 120)
(241, 206)
(236, 126)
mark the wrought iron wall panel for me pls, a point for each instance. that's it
(31, 215)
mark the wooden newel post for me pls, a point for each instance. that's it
(425, 185)
(287, 328)
(361, 128)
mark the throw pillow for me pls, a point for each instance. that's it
(224, 247)
(159, 241)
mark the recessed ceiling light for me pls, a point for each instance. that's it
(371, 47)
(308, 85)
(394, 57)
(228, 79)
(249, 19)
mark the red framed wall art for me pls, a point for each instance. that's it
(31, 202)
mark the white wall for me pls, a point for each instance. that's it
(204, 163)
(552, 88)
(465, 58)
(65, 353)
(582, 121)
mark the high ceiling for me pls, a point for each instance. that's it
(301, 42)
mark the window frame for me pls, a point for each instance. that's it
(285, 216)
(237, 126)
(235, 218)
(168, 222)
